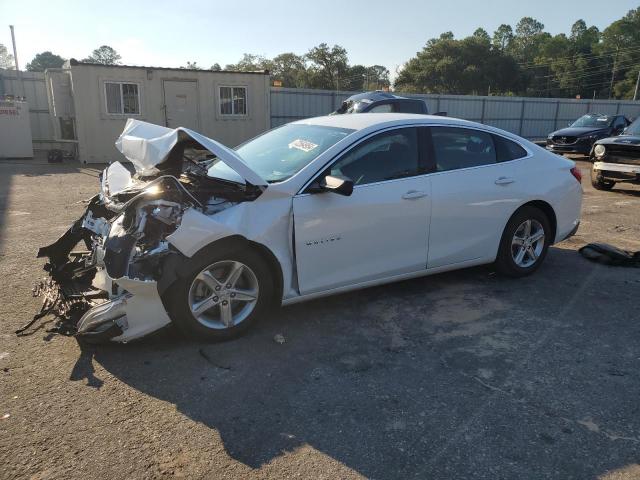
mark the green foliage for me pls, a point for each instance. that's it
(192, 66)
(529, 61)
(323, 66)
(104, 55)
(6, 59)
(45, 60)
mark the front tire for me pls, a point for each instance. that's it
(600, 183)
(221, 294)
(524, 243)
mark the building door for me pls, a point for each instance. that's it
(181, 103)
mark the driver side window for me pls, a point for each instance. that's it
(386, 156)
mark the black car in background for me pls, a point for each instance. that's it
(581, 134)
(617, 159)
(381, 102)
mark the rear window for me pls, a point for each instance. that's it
(409, 107)
(507, 150)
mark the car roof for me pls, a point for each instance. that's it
(366, 120)
(374, 96)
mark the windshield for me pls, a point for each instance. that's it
(282, 152)
(634, 128)
(601, 121)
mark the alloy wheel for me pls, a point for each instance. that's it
(527, 243)
(223, 294)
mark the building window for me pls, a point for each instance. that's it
(233, 100)
(122, 98)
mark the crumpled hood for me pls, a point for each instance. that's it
(580, 131)
(147, 145)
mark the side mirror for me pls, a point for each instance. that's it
(339, 185)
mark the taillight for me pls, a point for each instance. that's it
(575, 171)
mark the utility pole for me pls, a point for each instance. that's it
(635, 94)
(613, 72)
(15, 51)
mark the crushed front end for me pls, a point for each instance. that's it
(104, 271)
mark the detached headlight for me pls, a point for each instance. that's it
(599, 151)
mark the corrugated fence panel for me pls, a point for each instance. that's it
(32, 86)
(529, 117)
(460, 107)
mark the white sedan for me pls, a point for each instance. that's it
(207, 238)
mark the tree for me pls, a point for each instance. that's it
(502, 37)
(45, 60)
(250, 63)
(192, 66)
(328, 65)
(377, 77)
(290, 69)
(482, 35)
(6, 59)
(216, 67)
(529, 33)
(104, 55)
(467, 66)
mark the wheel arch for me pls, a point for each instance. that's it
(173, 267)
(545, 208)
(550, 213)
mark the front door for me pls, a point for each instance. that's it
(181, 103)
(379, 231)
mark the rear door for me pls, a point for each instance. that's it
(473, 194)
(181, 103)
(380, 230)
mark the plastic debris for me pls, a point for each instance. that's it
(279, 338)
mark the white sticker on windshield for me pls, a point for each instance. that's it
(602, 119)
(304, 145)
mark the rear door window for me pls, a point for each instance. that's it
(457, 148)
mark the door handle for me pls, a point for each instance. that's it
(504, 181)
(413, 194)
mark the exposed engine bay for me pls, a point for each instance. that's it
(117, 253)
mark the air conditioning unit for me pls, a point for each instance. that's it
(15, 129)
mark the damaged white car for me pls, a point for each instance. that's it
(206, 237)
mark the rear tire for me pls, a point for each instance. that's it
(524, 243)
(236, 285)
(600, 183)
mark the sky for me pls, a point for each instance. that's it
(170, 33)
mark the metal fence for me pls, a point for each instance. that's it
(528, 117)
(30, 85)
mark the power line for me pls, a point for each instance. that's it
(603, 71)
(533, 64)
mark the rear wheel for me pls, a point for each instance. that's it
(221, 296)
(598, 182)
(524, 243)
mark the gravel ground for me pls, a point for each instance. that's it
(459, 375)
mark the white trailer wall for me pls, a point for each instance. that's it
(97, 130)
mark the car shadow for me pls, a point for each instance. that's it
(619, 189)
(428, 377)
